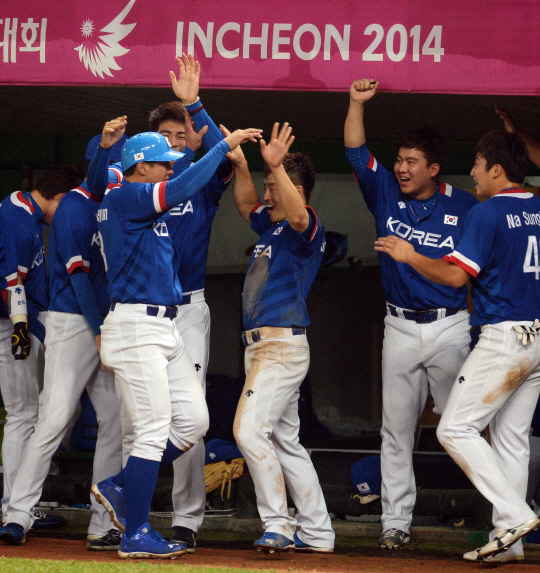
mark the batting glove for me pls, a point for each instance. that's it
(527, 333)
(20, 341)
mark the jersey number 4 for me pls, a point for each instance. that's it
(530, 264)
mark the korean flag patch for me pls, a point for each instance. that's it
(450, 220)
(363, 488)
(139, 156)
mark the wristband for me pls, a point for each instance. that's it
(191, 102)
(16, 300)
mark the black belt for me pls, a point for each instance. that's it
(170, 311)
(421, 316)
(256, 336)
(186, 299)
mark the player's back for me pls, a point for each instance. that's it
(507, 286)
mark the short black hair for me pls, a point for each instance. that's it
(173, 110)
(428, 141)
(300, 171)
(131, 170)
(507, 150)
(59, 179)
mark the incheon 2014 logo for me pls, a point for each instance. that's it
(98, 55)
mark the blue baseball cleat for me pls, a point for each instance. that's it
(113, 499)
(13, 534)
(273, 542)
(299, 545)
(149, 544)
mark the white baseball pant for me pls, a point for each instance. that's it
(189, 490)
(71, 363)
(20, 382)
(498, 385)
(414, 355)
(266, 429)
(158, 388)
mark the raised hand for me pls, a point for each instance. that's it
(241, 136)
(274, 153)
(193, 137)
(236, 156)
(186, 87)
(113, 131)
(509, 123)
(363, 90)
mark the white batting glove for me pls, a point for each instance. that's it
(527, 333)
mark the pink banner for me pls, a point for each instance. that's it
(458, 46)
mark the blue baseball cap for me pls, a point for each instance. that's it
(366, 478)
(93, 145)
(147, 146)
(221, 450)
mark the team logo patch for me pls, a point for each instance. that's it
(450, 220)
(277, 231)
(363, 487)
(402, 205)
(98, 55)
(140, 157)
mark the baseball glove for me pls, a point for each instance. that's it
(20, 341)
(220, 473)
(527, 333)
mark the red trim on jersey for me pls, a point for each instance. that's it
(442, 188)
(22, 273)
(161, 196)
(76, 265)
(355, 178)
(316, 222)
(117, 173)
(24, 200)
(4, 296)
(257, 207)
(83, 190)
(11, 279)
(513, 190)
(371, 161)
(461, 265)
(228, 178)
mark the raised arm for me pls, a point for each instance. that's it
(361, 91)
(244, 191)
(533, 146)
(436, 270)
(290, 199)
(98, 170)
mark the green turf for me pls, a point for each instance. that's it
(48, 566)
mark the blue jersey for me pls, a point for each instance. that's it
(433, 233)
(499, 249)
(282, 269)
(74, 246)
(22, 217)
(8, 265)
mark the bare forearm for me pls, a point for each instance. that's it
(244, 192)
(355, 135)
(438, 270)
(533, 147)
(290, 199)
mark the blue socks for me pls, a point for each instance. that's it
(170, 453)
(140, 477)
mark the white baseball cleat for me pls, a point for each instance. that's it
(498, 558)
(507, 537)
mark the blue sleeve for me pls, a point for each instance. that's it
(87, 300)
(74, 230)
(374, 180)
(260, 219)
(35, 326)
(476, 243)
(212, 137)
(180, 165)
(98, 171)
(148, 201)
(307, 240)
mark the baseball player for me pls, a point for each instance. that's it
(23, 216)
(426, 336)
(533, 146)
(281, 272)
(499, 382)
(78, 304)
(189, 226)
(156, 380)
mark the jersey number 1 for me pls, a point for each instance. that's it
(532, 256)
